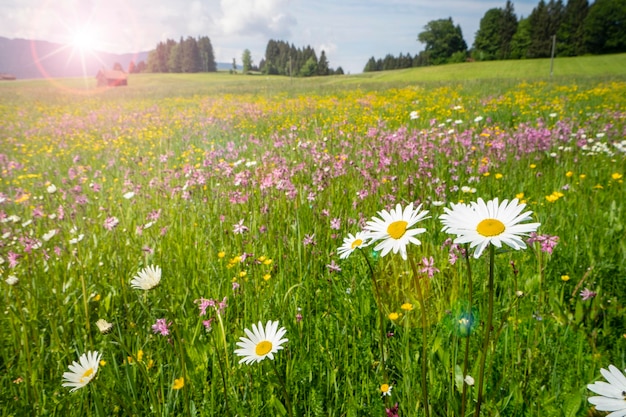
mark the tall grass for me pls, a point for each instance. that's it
(180, 161)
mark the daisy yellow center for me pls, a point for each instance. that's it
(263, 348)
(87, 374)
(384, 387)
(397, 229)
(490, 227)
(356, 243)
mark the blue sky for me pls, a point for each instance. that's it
(350, 31)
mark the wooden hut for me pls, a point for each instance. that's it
(111, 78)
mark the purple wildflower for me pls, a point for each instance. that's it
(111, 222)
(333, 267)
(161, 326)
(429, 267)
(239, 228)
(587, 294)
(309, 240)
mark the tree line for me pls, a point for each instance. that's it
(188, 55)
(577, 28)
(281, 58)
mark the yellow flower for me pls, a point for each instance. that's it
(103, 362)
(23, 198)
(221, 254)
(568, 174)
(519, 196)
(179, 383)
(486, 174)
(498, 176)
(554, 196)
(267, 262)
(407, 306)
(393, 316)
(582, 176)
(385, 389)
(266, 277)
(533, 166)
(242, 274)
(616, 176)
(565, 278)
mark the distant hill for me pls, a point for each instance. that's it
(38, 59)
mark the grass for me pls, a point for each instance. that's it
(242, 188)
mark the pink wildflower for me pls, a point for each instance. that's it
(587, 294)
(161, 326)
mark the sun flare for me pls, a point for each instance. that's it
(84, 38)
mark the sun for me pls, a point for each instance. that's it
(84, 39)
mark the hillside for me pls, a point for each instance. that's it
(26, 59)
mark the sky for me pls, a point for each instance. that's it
(349, 31)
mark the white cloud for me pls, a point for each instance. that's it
(269, 18)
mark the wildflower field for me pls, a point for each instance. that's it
(280, 248)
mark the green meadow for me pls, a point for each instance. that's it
(155, 224)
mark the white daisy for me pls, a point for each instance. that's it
(261, 342)
(393, 229)
(385, 389)
(83, 371)
(481, 224)
(351, 243)
(12, 280)
(612, 393)
(147, 278)
(104, 326)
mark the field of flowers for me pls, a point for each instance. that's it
(416, 250)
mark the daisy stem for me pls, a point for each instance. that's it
(86, 306)
(219, 318)
(483, 357)
(380, 315)
(467, 338)
(284, 387)
(424, 356)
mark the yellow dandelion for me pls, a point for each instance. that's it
(393, 316)
(267, 277)
(407, 306)
(565, 278)
(569, 174)
(616, 176)
(221, 254)
(178, 383)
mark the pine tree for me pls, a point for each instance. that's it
(175, 59)
(207, 58)
(508, 27)
(488, 39)
(521, 40)
(322, 65)
(540, 32)
(190, 60)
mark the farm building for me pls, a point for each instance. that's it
(111, 78)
